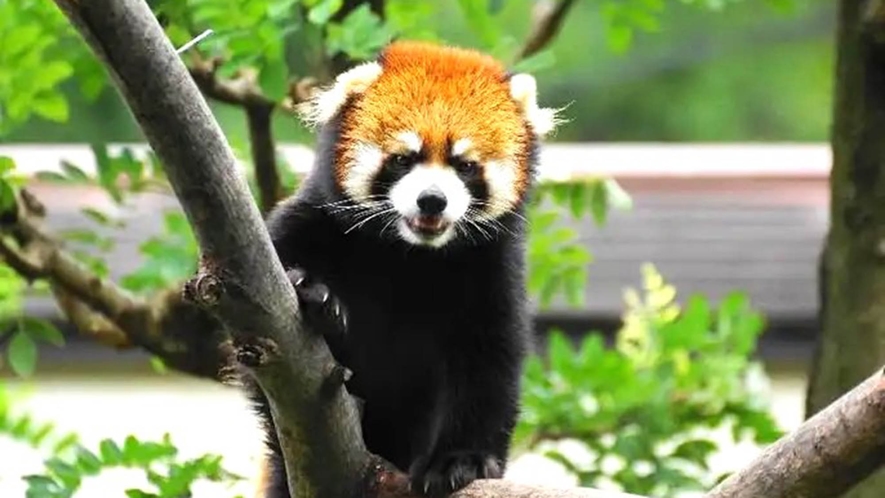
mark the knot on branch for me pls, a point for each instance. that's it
(204, 289)
(336, 378)
(255, 352)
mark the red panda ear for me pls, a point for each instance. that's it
(523, 89)
(326, 103)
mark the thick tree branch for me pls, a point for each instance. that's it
(164, 325)
(548, 17)
(240, 277)
(825, 456)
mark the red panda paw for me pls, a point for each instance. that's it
(446, 473)
(320, 310)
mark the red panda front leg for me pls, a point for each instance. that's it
(474, 441)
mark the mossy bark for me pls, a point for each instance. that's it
(852, 279)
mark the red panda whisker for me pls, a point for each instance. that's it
(479, 229)
(368, 218)
(393, 217)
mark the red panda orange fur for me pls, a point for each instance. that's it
(443, 94)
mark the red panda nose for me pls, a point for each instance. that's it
(432, 202)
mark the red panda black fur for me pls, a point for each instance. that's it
(406, 246)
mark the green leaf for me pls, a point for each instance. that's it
(323, 11)
(74, 172)
(697, 451)
(273, 79)
(97, 216)
(7, 196)
(111, 454)
(51, 106)
(578, 198)
(51, 176)
(7, 164)
(65, 443)
(561, 352)
(159, 365)
(42, 330)
(599, 203)
(360, 35)
(619, 38)
(51, 74)
(478, 17)
(64, 471)
(137, 493)
(22, 354)
(87, 462)
(536, 62)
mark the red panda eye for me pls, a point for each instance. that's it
(466, 167)
(401, 160)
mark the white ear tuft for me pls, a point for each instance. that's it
(524, 91)
(325, 104)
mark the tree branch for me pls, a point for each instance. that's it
(240, 279)
(264, 158)
(548, 17)
(244, 92)
(825, 456)
(164, 325)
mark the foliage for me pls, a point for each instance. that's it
(644, 409)
(20, 334)
(68, 463)
(557, 260)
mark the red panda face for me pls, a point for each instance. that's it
(438, 139)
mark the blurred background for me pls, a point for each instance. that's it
(714, 125)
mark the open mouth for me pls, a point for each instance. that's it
(427, 226)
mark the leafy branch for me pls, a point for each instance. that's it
(184, 337)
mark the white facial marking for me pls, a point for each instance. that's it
(366, 163)
(461, 146)
(501, 178)
(326, 103)
(411, 140)
(404, 196)
(524, 91)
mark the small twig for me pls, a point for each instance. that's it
(548, 17)
(241, 91)
(264, 159)
(184, 48)
(90, 322)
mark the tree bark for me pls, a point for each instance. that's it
(241, 280)
(852, 340)
(827, 455)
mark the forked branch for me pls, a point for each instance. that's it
(163, 325)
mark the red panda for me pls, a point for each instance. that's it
(405, 245)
